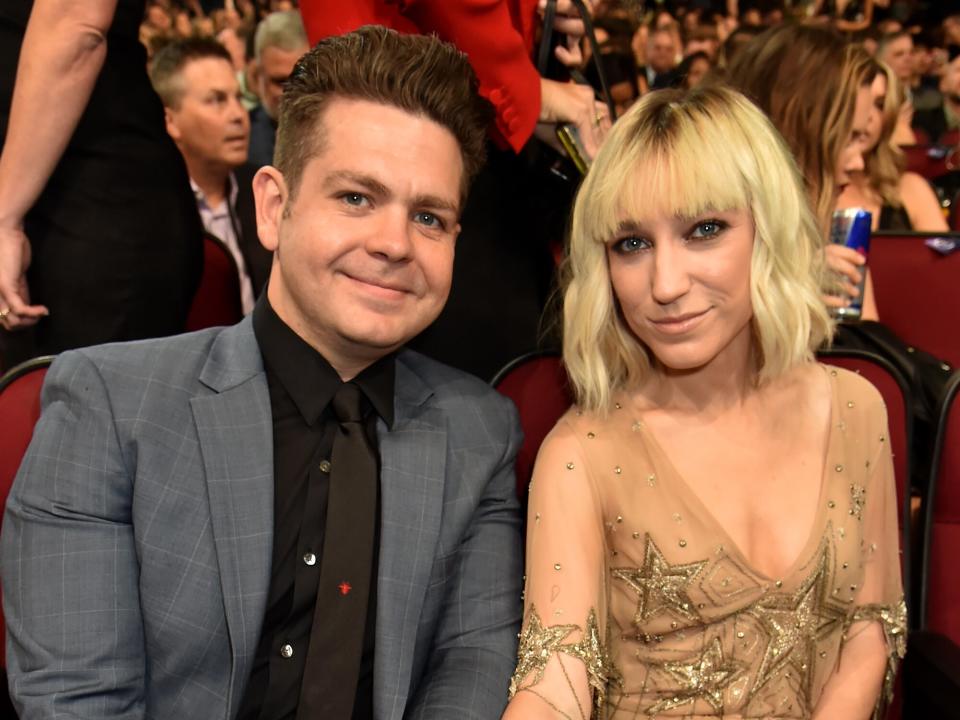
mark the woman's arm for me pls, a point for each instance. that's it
(563, 608)
(875, 641)
(921, 204)
(852, 691)
(63, 51)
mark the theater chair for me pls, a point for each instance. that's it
(931, 161)
(537, 384)
(19, 410)
(932, 672)
(917, 291)
(217, 301)
(895, 391)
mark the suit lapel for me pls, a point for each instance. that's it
(236, 442)
(413, 464)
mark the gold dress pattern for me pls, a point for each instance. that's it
(631, 576)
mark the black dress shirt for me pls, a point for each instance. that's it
(302, 384)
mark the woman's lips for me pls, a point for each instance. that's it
(679, 324)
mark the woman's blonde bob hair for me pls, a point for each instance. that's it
(686, 154)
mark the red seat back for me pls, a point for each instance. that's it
(917, 292)
(19, 410)
(895, 391)
(537, 384)
(940, 599)
(930, 160)
(217, 301)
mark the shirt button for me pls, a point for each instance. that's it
(324, 466)
(287, 651)
(309, 558)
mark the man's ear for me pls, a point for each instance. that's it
(254, 73)
(170, 119)
(270, 195)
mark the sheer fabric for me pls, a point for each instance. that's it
(631, 576)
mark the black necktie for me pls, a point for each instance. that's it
(339, 620)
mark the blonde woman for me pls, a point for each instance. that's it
(898, 200)
(712, 528)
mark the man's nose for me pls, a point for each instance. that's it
(392, 238)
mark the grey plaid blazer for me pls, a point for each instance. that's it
(136, 542)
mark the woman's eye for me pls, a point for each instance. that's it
(631, 244)
(707, 228)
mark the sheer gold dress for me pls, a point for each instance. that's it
(630, 574)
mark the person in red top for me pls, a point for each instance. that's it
(498, 37)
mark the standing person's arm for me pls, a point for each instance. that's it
(63, 51)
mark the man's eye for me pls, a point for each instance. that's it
(354, 198)
(428, 219)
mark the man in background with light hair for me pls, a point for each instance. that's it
(278, 43)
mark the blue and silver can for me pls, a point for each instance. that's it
(851, 227)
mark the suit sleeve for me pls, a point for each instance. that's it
(486, 30)
(475, 642)
(75, 638)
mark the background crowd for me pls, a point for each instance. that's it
(641, 47)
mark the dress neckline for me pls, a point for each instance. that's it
(731, 547)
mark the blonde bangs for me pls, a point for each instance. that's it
(682, 170)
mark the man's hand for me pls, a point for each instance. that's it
(562, 102)
(16, 312)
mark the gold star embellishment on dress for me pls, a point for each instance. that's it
(704, 678)
(593, 653)
(893, 619)
(795, 622)
(537, 645)
(660, 586)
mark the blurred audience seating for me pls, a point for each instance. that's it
(917, 292)
(217, 301)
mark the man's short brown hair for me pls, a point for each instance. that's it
(416, 73)
(166, 68)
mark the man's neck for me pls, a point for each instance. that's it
(212, 181)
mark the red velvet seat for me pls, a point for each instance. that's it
(940, 610)
(19, 410)
(217, 301)
(537, 384)
(931, 161)
(933, 656)
(917, 292)
(895, 391)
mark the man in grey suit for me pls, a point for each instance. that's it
(293, 517)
